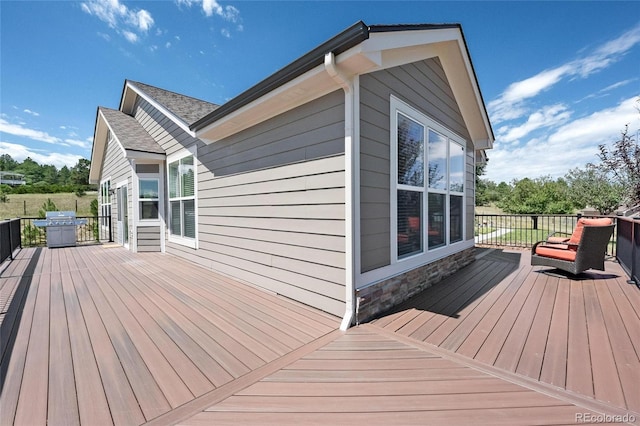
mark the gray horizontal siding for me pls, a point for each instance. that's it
(423, 85)
(116, 166)
(271, 200)
(313, 130)
(168, 134)
(280, 228)
(148, 238)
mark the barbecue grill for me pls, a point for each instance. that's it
(61, 228)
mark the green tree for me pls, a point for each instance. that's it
(50, 174)
(538, 196)
(32, 170)
(47, 206)
(64, 176)
(594, 187)
(80, 173)
(482, 186)
(623, 161)
(7, 163)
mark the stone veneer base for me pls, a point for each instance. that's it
(384, 295)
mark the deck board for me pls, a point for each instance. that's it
(365, 390)
(105, 336)
(98, 335)
(581, 334)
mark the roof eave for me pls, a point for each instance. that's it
(350, 37)
(383, 47)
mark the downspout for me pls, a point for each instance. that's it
(349, 105)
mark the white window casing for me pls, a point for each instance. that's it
(182, 185)
(431, 165)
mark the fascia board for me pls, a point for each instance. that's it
(97, 151)
(457, 67)
(402, 47)
(305, 88)
(100, 142)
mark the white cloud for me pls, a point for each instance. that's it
(20, 130)
(225, 33)
(511, 103)
(130, 36)
(76, 142)
(143, 20)
(20, 152)
(126, 22)
(28, 111)
(549, 116)
(572, 144)
(212, 7)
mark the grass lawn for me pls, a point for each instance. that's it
(27, 205)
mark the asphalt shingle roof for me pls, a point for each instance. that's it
(129, 132)
(186, 108)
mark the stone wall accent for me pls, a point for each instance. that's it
(384, 295)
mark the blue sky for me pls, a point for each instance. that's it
(558, 78)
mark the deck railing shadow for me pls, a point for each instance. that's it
(13, 315)
(453, 294)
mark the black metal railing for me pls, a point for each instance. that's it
(517, 230)
(97, 229)
(9, 238)
(628, 247)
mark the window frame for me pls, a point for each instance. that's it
(148, 177)
(182, 239)
(104, 203)
(427, 253)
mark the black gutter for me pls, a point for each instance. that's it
(350, 37)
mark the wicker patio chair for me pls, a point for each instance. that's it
(584, 250)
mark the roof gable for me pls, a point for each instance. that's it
(186, 108)
(360, 49)
(131, 135)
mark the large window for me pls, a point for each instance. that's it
(428, 181)
(182, 216)
(410, 185)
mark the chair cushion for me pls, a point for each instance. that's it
(556, 252)
(557, 240)
(577, 232)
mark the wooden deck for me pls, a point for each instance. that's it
(581, 335)
(97, 335)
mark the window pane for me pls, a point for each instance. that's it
(175, 218)
(410, 152)
(187, 174)
(148, 188)
(436, 220)
(456, 164)
(437, 160)
(189, 212)
(173, 180)
(148, 209)
(455, 218)
(409, 222)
